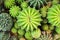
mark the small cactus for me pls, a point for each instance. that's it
(36, 33)
(14, 11)
(9, 3)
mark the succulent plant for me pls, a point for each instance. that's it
(44, 11)
(53, 15)
(14, 11)
(45, 27)
(24, 4)
(28, 35)
(36, 33)
(29, 19)
(5, 22)
(57, 30)
(19, 1)
(45, 36)
(21, 32)
(14, 30)
(37, 3)
(9, 3)
(51, 27)
(4, 36)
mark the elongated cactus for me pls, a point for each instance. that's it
(5, 22)
(29, 19)
(9, 3)
(53, 15)
(37, 3)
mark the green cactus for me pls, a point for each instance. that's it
(28, 35)
(36, 33)
(4, 36)
(5, 22)
(45, 36)
(14, 11)
(45, 27)
(9, 3)
(37, 3)
(13, 30)
(51, 27)
(44, 11)
(53, 15)
(57, 30)
(29, 19)
(24, 4)
(21, 32)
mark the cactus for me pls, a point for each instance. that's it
(13, 30)
(5, 22)
(44, 11)
(45, 36)
(53, 15)
(36, 33)
(4, 36)
(21, 32)
(9, 3)
(45, 27)
(14, 11)
(29, 19)
(24, 4)
(28, 35)
(37, 3)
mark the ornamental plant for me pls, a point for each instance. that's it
(29, 19)
(37, 3)
(9, 3)
(14, 11)
(5, 22)
(53, 15)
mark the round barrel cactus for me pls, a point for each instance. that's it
(14, 11)
(5, 22)
(37, 3)
(4, 36)
(9, 3)
(29, 19)
(36, 33)
(53, 15)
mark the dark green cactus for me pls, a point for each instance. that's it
(4, 36)
(37, 3)
(5, 22)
